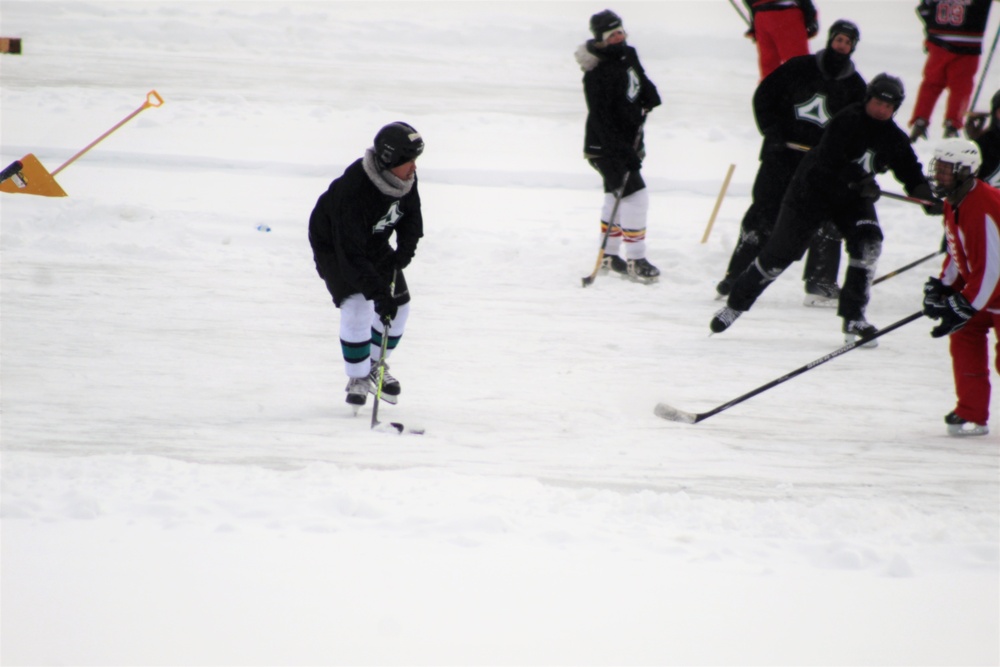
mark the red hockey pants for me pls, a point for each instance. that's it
(780, 35)
(970, 363)
(944, 69)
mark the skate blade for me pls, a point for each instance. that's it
(816, 301)
(852, 338)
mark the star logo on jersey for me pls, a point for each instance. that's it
(389, 220)
(633, 85)
(813, 110)
(867, 161)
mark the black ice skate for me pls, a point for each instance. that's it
(390, 385)
(357, 392)
(723, 289)
(615, 264)
(641, 271)
(959, 426)
(821, 295)
(855, 329)
(724, 319)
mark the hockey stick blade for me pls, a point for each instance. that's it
(396, 427)
(673, 414)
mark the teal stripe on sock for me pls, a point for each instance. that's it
(377, 340)
(355, 352)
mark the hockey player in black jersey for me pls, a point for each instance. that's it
(792, 106)
(836, 183)
(349, 231)
(618, 95)
(985, 131)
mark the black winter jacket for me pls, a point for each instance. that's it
(349, 232)
(618, 92)
(854, 146)
(796, 101)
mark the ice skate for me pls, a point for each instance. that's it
(723, 289)
(960, 427)
(724, 319)
(821, 295)
(919, 130)
(390, 385)
(357, 392)
(641, 271)
(855, 329)
(615, 264)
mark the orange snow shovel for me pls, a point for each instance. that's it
(34, 179)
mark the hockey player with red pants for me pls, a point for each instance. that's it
(953, 45)
(966, 297)
(781, 29)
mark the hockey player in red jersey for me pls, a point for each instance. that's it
(966, 297)
(781, 29)
(953, 45)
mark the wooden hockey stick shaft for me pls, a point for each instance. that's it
(718, 202)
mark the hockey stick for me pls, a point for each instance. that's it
(907, 267)
(718, 203)
(986, 68)
(912, 200)
(742, 15)
(588, 280)
(673, 414)
(376, 425)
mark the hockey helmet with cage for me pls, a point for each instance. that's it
(965, 159)
(397, 143)
(887, 88)
(846, 28)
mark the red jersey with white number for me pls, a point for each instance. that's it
(973, 234)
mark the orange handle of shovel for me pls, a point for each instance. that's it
(153, 99)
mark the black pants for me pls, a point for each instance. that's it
(802, 215)
(769, 186)
(612, 172)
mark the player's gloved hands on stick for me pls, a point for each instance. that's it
(935, 293)
(386, 307)
(867, 188)
(954, 313)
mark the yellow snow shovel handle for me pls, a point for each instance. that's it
(150, 97)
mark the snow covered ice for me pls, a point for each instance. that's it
(182, 482)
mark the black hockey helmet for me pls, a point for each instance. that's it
(397, 143)
(847, 28)
(887, 88)
(603, 22)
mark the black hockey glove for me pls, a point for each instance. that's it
(923, 191)
(975, 124)
(386, 307)
(935, 294)
(866, 188)
(812, 28)
(955, 316)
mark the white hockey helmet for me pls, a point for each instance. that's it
(963, 156)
